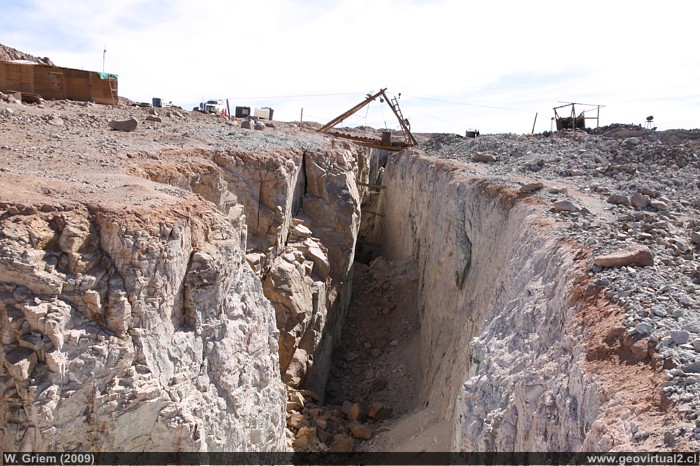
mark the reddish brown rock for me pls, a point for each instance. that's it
(378, 411)
(479, 157)
(360, 431)
(356, 412)
(342, 444)
(531, 187)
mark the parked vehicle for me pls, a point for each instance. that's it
(216, 106)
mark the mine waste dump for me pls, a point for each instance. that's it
(192, 285)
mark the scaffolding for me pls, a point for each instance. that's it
(574, 120)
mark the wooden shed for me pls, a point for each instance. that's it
(53, 82)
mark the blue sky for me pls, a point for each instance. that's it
(489, 65)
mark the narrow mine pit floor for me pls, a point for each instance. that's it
(375, 378)
(377, 364)
(378, 360)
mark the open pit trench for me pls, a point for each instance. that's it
(501, 358)
(142, 328)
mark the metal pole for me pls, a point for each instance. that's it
(104, 52)
(301, 117)
(533, 124)
(228, 111)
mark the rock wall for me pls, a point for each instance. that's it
(163, 327)
(130, 328)
(501, 358)
(303, 211)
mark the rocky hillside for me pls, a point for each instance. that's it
(9, 54)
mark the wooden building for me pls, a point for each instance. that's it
(53, 82)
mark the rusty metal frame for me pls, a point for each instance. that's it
(409, 140)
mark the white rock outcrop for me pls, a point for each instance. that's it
(135, 329)
(303, 214)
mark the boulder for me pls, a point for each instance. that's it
(307, 432)
(55, 121)
(695, 238)
(299, 232)
(479, 157)
(124, 125)
(531, 187)
(378, 411)
(618, 199)
(360, 431)
(680, 337)
(658, 205)
(641, 257)
(356, 412)
(342, 444)
(565, 206)
(640, 201)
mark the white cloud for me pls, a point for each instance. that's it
(635, 57)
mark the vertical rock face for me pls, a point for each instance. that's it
(303, 214)
(501, 363)
(135, 330)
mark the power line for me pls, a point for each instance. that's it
(294, 96)
(436, 118)
(470, 105)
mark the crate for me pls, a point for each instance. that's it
(242, 112)
(264, 113)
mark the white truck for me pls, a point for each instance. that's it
(216, 106)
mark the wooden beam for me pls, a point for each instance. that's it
(369, 142)
(345, 115)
